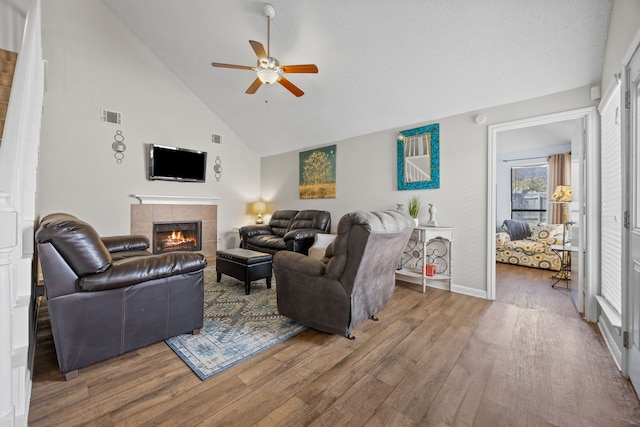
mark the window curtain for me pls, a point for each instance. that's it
(559, 174)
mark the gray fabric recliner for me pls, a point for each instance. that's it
(354, 281)
(107, 296)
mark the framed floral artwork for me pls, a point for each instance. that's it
(318, 173)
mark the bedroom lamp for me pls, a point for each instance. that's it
(259, 208)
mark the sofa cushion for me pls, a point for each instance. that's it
(502, 238)
(280, 221)
(268, 241)
(526, 246)
(319, 220)
(117, 256)
(77, 242)
(549, 234)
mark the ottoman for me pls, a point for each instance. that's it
(245, 265)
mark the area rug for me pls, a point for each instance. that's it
(236, 326)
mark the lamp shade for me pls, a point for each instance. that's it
(259, 207)
(562, 193)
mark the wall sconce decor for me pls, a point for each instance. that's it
(217, 168)
(118, 146)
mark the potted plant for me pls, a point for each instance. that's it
(414, 208)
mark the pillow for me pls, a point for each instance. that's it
(549, 234)
(517, 230)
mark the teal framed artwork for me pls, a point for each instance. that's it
(419, 158)
(318, 173)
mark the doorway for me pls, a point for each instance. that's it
(586, 119)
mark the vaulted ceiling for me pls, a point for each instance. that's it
(382, 64)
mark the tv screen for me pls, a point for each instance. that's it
(176, 164)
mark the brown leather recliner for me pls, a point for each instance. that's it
(107, 296)
(288, 230)
(354, 281)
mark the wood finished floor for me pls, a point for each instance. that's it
(526, 359)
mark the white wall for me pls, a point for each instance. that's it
(624, 23)
(94, 62)
(366, 178)
(12, 17)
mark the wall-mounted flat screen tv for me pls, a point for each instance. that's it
(176, 164)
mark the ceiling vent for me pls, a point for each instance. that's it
(112, 117)
(216, 139)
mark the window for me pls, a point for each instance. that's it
(529, 193)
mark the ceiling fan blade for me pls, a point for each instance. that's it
(254, 87)
(305, 68)
(258, 48)
(290, 86)
(239, 67)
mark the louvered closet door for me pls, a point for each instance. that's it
(611, 198)
(631, 326)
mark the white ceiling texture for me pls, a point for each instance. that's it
(382, 64)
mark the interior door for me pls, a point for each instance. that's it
(631, 319)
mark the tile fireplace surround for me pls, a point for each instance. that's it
(144, 215)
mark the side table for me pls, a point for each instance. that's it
(564, 253)
(427, 245)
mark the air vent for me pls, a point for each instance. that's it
(216, 139)
(112, 117)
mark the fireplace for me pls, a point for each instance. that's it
(177, 236)
(143, 216)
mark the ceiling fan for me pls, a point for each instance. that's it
(268, 69)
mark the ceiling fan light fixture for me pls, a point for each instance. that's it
(268, 76)
(268, 70)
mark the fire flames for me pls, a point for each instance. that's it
(177, 241)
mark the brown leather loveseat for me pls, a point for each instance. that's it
(107, 296)
(288, 230)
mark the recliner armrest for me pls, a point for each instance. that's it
(255, 230)
(501, 239)
(301, 233)
(125, 243)
(131, 271)
(299, 263)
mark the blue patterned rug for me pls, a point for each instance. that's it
(236, 326)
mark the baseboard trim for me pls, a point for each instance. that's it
(610, 341)
(478, 293)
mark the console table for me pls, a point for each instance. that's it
(427, 245)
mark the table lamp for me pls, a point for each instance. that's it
(563, 194)
(259, 208)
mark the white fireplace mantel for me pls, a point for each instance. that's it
(156, 199)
